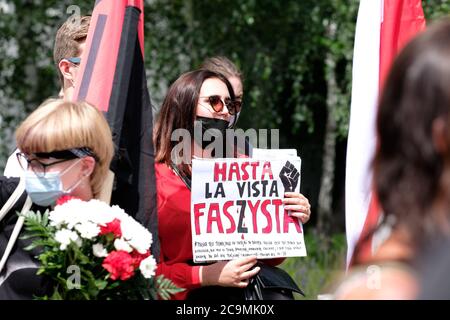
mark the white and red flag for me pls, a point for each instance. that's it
(382, 29)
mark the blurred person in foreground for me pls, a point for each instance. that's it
(411, 170)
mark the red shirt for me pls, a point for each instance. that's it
(174, 227)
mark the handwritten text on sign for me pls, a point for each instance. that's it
(237, 209)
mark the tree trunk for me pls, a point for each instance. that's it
(329, 148)
(189, 15)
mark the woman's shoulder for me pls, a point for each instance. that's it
(168, 182)
(163, 172)
(7, 186)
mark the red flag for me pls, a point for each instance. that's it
(112, 77)
(383, 28)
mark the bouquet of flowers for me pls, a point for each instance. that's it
(90, 250)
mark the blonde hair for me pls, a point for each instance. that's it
(222, 65)
(60, 125)
(68, 38)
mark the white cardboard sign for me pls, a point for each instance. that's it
(237, 210)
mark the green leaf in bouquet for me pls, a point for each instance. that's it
(40, 243)
(30, 247)
(90, 284)
(114, 285)
(56, 295)
(146, 293)
(79, 256)
(101, 284)
(34, 226)
(165, 288)
(92, 290)
(36, 218)
(110, 237)
(45, 218)
(41, 271)
(32, 235)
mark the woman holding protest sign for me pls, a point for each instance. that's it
(207, 97)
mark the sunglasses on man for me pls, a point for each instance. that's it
(217, 104)
(75, 60)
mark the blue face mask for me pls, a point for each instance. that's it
(45, 190)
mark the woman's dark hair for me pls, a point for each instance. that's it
(178, 111)
(407, 166)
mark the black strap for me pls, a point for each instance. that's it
(182, 175)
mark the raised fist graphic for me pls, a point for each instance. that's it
(289, 176)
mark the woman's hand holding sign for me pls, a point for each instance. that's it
(295, 202)
(298, 205)
(234, 273)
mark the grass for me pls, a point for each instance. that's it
(317, 271)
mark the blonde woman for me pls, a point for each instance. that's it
(67, 149)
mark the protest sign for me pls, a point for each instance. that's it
(237, 210)
(273, 153)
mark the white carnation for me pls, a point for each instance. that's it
(86, 217)
(121, 244)
(88, 230)
(65, 236)
(136, 235)
(148, 267)
(76, 211)
(99, 250)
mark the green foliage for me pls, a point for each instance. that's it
(164, 288)
(435, 9)
(278, 70)
(324, 263)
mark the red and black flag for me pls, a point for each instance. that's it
(112, 77)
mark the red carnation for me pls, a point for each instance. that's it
(112, 227)
(119, 264)
(63, 199)
(138, 257)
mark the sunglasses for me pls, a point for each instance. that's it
(217, 104)
(74, 60)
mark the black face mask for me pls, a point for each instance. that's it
(219, 127)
